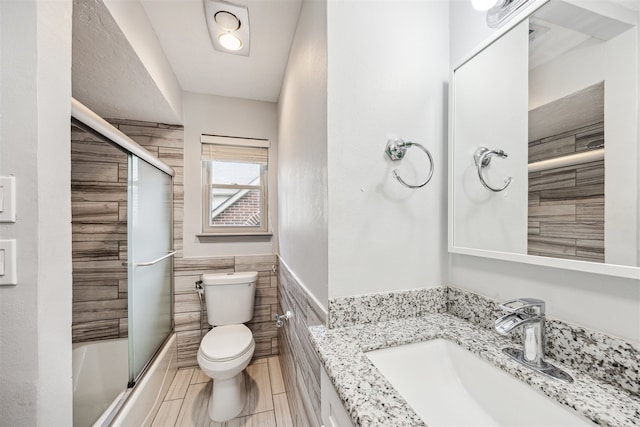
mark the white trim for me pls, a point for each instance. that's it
(93, 122)
(565, 264)
(232, 140)
(310, 295)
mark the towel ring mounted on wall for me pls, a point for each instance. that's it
(482, 158)
(396, 150)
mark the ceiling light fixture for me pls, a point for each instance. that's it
(484, 5)
(228, 26)
(498, 11)
(227, 20)
(229, 41)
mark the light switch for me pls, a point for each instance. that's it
(7, 199)
(8, 271)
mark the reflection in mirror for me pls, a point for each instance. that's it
(577, 62)
(574, 98)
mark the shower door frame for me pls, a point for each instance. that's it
(90, 122)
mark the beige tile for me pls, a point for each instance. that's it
(255, 262)
(186, 284)
(263, 347)
(186, 302)
(199, 377)
(258, 360)
(281, 409)
(167, 414)
(180, 384)
(82, 171)
(275, 375)
(262, 313)
(94, 211)
(100, 329)
(188, 321)
(262, 419)
(194, 408)
(258, 390)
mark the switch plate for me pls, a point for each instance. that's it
(8, 249)
(7, 199)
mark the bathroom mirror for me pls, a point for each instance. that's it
(557, 92)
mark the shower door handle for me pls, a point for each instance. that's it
(146, 264)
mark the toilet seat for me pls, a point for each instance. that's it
(224, 343)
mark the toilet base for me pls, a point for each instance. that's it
(227, 398)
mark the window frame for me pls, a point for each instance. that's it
(207, 186)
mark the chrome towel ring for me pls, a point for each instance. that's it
(396, 150)
(482, 158)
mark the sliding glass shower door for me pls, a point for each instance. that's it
(150, 262)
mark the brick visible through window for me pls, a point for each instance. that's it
(243, 212)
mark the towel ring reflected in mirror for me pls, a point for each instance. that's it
(482, 158)
(397, 149)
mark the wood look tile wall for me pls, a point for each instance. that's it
(301, 366)
(99, 196)
(99, 238)
(566, 205)
(187, 305)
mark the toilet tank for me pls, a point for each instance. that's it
(229, 297)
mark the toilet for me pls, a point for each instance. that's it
(227, 349)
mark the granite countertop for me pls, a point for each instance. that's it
(371, 400)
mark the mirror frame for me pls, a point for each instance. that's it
(567, 264)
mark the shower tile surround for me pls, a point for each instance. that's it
(566, 205)
(99, 238)
(606, 369)
(99, 204)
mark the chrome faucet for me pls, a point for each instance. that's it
(528, 313)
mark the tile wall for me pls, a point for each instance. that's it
(99, 238)
(187, 306)
(300, 363)
(99, 195)
(566, 205)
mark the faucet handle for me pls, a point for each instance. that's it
(526, 305)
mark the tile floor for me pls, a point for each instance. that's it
(188, 397)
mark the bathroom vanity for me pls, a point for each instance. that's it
(371, 399)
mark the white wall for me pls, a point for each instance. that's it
(302, 162)
(35, 315)
(388, 68)
(216, 115)
(570, 73)
(464, 19)
(604, 303)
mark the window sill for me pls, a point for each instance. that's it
(257, 235)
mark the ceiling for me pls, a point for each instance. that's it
(107, 75)
(182, 31)
(111, 79)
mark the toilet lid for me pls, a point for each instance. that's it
(226, 342)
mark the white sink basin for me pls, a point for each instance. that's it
(449, 386)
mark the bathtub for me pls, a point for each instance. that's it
(100, 375)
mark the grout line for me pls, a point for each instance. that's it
(180, 410)
(273, 403)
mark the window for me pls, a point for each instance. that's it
(234, 183)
